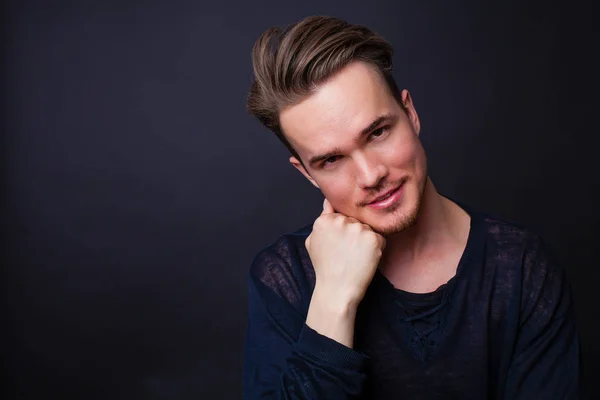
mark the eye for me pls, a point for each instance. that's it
(331, 160)
(379, 132)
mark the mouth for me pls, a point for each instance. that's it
(388, 198)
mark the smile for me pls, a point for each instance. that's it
(387, 199)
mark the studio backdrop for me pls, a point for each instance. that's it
(138, 189)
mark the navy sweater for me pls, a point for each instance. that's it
(501, 328)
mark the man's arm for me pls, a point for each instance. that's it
(286, 359)
(291, 357)
(545, 363)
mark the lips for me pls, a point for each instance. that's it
(385, 195)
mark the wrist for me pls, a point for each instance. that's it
(334, 303)
(332, 317)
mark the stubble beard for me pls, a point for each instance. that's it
(403, 219)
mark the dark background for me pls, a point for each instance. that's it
(137, 189)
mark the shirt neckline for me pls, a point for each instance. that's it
(473, 251)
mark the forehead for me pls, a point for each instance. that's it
(338, 110)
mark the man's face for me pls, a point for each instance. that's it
(357, 144)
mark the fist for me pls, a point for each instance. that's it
(345, 254)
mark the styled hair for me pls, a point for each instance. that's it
(290, 64)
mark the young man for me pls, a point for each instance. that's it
(395, 291)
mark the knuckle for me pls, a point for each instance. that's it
(354, 221)
(339, 219)
(354, 226)
(319, 221)
(371, 237)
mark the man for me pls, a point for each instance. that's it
(395, 291)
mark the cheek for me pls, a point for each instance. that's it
(401, 153)
(339, 190)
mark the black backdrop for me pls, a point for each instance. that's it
(138, 190)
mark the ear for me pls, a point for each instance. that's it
(409, 107)
(298, 165)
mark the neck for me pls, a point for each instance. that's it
(440, 226)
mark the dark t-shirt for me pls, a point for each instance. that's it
(501, 328)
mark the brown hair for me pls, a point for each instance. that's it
(289, 64)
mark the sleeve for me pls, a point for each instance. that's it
(546, 360)
(285, 359)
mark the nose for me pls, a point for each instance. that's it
(370, 171)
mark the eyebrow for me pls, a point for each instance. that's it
(365, 131)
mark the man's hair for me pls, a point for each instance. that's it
(290, 64)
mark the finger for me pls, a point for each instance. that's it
(327, 207)
(354, 221)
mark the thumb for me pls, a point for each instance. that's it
(327, 207)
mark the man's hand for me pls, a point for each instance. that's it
(345, 254)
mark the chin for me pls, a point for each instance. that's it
(396, 223)
(398, 220)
